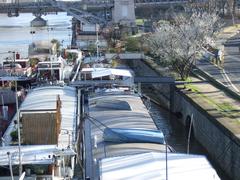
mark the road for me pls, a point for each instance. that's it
(229, 75)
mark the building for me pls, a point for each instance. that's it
(89, 36)
(48, 135)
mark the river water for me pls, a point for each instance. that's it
(15, 32)
(15, 36)
(176, 136)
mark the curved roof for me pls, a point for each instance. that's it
(44, 98)
(153, 166)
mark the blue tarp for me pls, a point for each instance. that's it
(124, 135)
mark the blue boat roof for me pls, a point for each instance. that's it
(126, 135)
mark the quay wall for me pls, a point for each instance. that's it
(222, 145)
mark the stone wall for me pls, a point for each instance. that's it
(221, 144)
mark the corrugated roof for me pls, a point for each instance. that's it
(40, 154)
(100, 72)
(153, 166)
(45, 98)
(110, 72)
(135, 116)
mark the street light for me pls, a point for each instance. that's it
(97, 41)
(14, 59)
(17, 111)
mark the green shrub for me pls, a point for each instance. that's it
(132, 44)
(14, 135)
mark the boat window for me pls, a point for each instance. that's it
(109, 105)
(125, 135)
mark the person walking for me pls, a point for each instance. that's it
(220, 58)
(219, 54)
(215, 57)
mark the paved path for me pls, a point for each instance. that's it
(229, 72)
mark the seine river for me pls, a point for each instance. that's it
(15, 32)
(176, 135)
(15, 36)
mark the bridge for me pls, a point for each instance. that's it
(85, 10)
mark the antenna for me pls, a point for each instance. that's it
(10, 164)
(19, 138)
(166, 153)
(97, 41)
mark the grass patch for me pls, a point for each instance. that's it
(225, 108)
(231, 28)
(139, 22)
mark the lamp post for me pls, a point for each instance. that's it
(19, 137)
(14, 59)
(17, 112)
(97, 41)
(10, 165)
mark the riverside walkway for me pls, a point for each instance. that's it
(215, 114)
(228, 72)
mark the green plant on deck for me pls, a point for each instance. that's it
(33, 62)
(114, 63)
(92, 48)
(71, 57)
(14, 135)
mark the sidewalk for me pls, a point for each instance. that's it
(219, 117)
(216, 103)
(228, 32)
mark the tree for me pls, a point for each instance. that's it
(132, 44)
(33, 62)
(178, 42)
(55, 46)
(231, 8)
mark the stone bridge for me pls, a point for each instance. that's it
(120, 11)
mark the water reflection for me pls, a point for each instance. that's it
(176, 135)
(15, 32)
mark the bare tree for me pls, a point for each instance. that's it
(231, 8)
(179, 42)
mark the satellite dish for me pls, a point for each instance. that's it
(22, 176)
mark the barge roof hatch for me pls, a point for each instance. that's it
(125, 135)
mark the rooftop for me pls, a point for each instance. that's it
(44, 99)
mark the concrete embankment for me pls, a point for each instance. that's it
(215, 118)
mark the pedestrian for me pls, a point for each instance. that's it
(220, 57)
(216, 56)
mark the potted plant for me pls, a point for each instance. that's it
(14, 135)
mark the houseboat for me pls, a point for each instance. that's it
(47, 120)
(121, 141)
